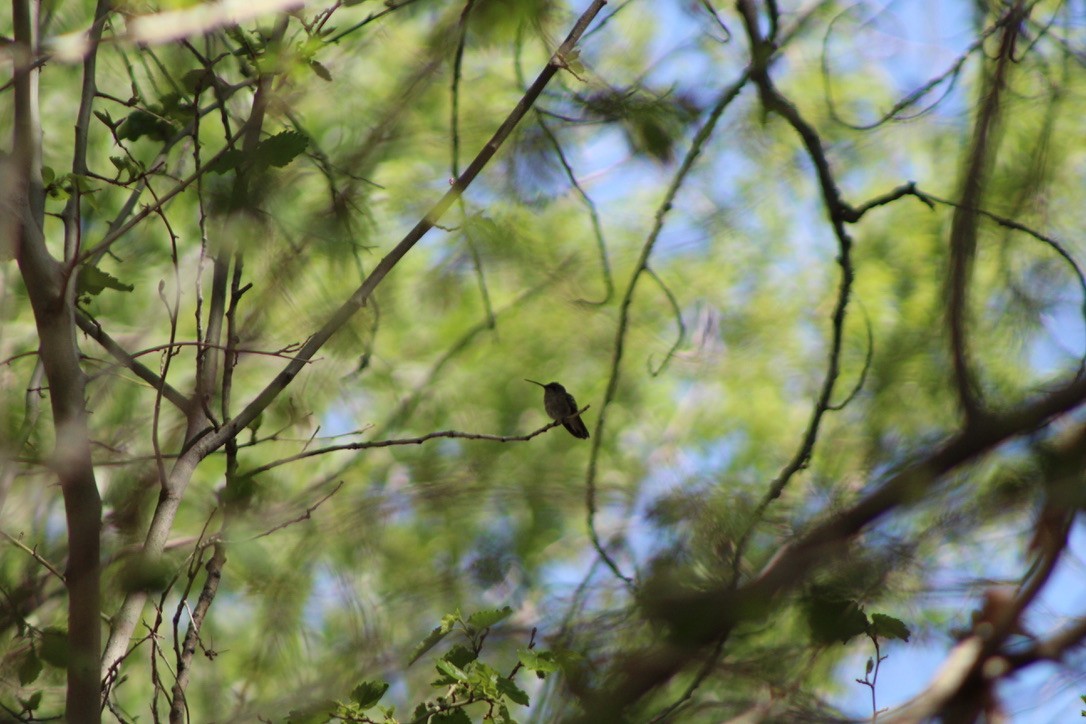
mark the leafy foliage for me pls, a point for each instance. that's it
(274, 300)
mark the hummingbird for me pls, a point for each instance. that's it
(561, 406)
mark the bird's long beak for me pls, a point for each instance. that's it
(534, 382)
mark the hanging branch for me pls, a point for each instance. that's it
(677, 314)
(697, 145)
(963, 226)
(838, 212)
(1049, 241)
(590, 206)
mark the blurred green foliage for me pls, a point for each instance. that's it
(355, 146)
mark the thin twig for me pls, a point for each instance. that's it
(952, 74)
(590, 206)
(454, 142)
(390, 7)
(33, 553)
(307, 515)
(869, 356)
(117, 233)
(410, 400)
(678, 314)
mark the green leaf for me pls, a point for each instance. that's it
(32, 703)
(318, 713)
(452, 670)
(57, 188)
(229, 161)
(198, 79)
(93, 281)
(512, 692)
(484, 679)
(488, 617)
(460, 655)
(139, 574)
(29, 669)
(53, 648)
(140, 123)
(176, 107)
(106, 119)
(368, 693)
(538, 661)
(126, 165)
(833, 619)
(434, 637)
(452, 716)
(280, 149)
(889, 627)
(84, 183)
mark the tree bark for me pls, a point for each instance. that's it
(50, 287)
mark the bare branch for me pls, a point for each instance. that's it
(1051, 242)
(838, 212)
(33, 553)
(307, 515)
(963, 230)
(678, 316)
(408, 441)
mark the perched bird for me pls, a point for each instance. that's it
(560, 405)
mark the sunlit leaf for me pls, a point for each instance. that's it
(451, 670)
(487, 618)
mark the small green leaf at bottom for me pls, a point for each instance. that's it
(513, 692)
(368, 693)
